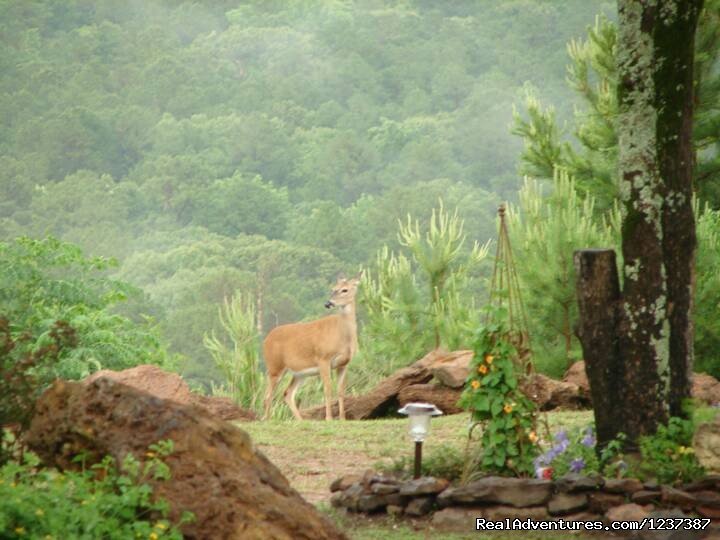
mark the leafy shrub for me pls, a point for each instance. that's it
(21, 359)
(102, 502)
(445, 461)
(668, 456)
(43, 281)
(508, 440)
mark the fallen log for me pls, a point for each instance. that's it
(443, 397)
(383, 399)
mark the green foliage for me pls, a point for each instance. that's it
(103, 502)
(507, 417)
(21, 364)
(444, 461)
(416, 303)
(545, 232)
(707, 292)
(238, 361)
(43, 281)
(667, 456)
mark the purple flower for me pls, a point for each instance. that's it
(589, 438)
(577, 465)
(561, 437)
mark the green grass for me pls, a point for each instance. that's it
(312, 453)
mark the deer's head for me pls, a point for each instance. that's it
(343, 292)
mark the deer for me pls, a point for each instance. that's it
(315, 348)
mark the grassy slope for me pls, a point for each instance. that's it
(313, 453)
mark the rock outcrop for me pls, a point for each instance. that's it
(234, 491)
(166, 385)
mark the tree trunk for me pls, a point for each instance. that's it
(653, 327)
(598, 294)
(674, 100)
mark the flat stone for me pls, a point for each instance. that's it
(580, 516)
(574, 482)
(394, 510)
(566, 503)
(601, 502)
(627, 512)
(351, 496)
(384, 489)
(344, 482)
(711, 512)
(336, 499)
(672, 534)
(426, 485)
(706, 482)
(496, 513)
(518, 492)
(460, 519)
(651, 485)
(622, 485)
(644, 496)
(395, 499)
(420, 506)
(370, 503)
(707, 498)
(677, 497)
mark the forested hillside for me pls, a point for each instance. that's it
(261, 147)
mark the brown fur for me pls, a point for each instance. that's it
(321, 346)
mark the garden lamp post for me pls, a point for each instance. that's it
(419, 415)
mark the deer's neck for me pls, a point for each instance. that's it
(347, 315)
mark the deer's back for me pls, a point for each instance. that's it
(293, 344)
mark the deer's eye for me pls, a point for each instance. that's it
(344, 290)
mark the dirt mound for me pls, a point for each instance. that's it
(167, 385)
(234, 491)
(705, 388)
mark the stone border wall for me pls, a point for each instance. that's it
(573, 498)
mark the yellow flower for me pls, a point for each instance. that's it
(39, 512)
(20, 530)
(48, 537)
(532, 436)
(475, 385)
(160, 526)
(153, 536)
(150, 454)
(482, 369)
(13, 484)
(489, 358)
(507, 408)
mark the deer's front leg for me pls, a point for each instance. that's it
(342, 370)
(324, 369)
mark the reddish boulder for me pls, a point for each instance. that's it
(576, 375)
(167, 385)
(234, 491)
(706, 388)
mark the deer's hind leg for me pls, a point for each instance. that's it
(292, 389)
(272, 383)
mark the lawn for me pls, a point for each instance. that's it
(313, 453)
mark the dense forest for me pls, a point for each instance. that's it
(200, 152)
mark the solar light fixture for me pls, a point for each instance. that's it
(419, 415)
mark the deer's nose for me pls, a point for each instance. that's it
(329, 304)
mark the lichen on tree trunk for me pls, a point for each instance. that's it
(653, 323)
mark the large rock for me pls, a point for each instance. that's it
(166, 385)
(443, 397)
(518, 492)
(576, 375)
(549, 394)
(234, 491)
(706, 443)
(706, 388)
(453, 368)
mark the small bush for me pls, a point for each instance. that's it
(668, 456)
(102, 502)
(446, 461)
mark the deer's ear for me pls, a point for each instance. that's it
(359, 276)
